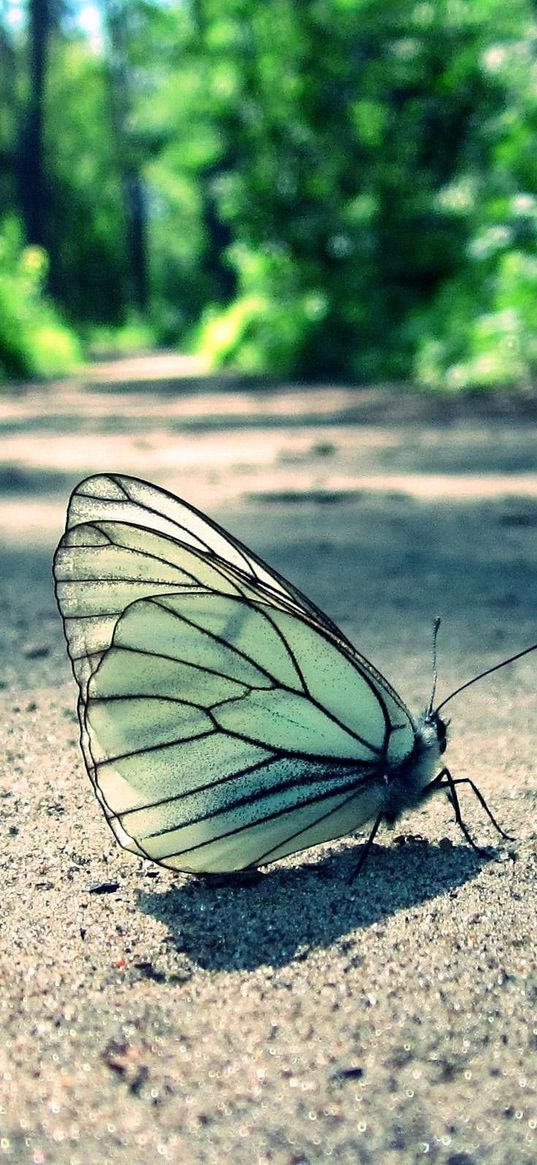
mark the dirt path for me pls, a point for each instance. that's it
(296, 1021)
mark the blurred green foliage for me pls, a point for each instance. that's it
(33, 338)
(333, 188)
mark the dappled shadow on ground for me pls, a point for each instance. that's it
(24, 481)
(291, 912)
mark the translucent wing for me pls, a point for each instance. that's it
(119, 498)
(223, 734)
(224, 721)
(142, 540)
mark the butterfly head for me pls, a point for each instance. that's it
(410, 783)
(437, 728)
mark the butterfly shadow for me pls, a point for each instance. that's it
(292, 911)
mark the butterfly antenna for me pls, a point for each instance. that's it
(487, 672)
(436, 624)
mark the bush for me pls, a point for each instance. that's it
(33, 339)
(482, 329)
(270, 326)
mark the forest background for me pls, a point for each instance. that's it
(329, 188)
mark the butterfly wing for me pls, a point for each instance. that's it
(223, 723)
(120, 498)
(136, 513)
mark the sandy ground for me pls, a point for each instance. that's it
(149, 1017)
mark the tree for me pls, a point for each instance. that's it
(117, 15)
(33, 185)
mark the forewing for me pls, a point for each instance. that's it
(126, 539)
(220, 734)
(120, 498)
(101, 567)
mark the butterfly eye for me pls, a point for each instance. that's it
(441, 728)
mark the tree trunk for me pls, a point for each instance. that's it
(136, 220)
(115, 13)
(32, 180)
(9, 104)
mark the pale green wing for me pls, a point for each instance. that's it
(120, 498)
(323, 723)
(101, 567)
(126, 538)
(223, 734)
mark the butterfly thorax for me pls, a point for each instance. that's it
(409, 783)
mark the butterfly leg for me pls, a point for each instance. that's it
(365, 850)
(450, 783)
(481, 799)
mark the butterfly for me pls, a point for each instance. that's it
(225, 721)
